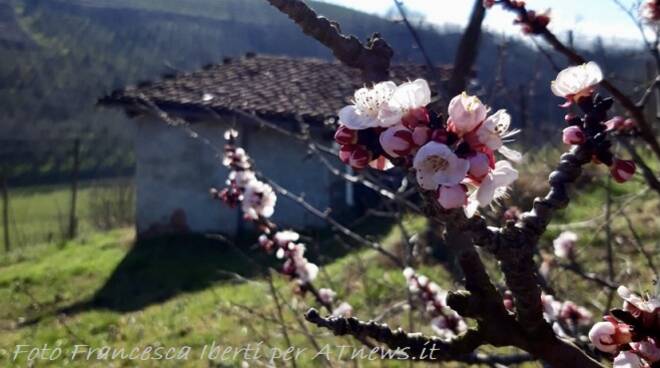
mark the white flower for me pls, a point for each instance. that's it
(565, 244)
(449, 325)
(242, 178)
(577, 81)
(285, 237)
(230, 134)
(627, 359)
(327, 295)
(258, 200)
(465, 113)
(306, 271)
(635, 304)
(369, 105)
(551, 307)
(236, 157)
(436, 164)
(343, 310)
(492, 187)
(407, 96)
(408, 273)
(494, 130)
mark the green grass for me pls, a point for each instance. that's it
(45, 278)
(41, 213)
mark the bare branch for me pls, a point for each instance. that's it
(331, 221)
(468, 49)
(373, 59)
(404, 345)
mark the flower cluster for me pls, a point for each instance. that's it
(649, 10)
(286, 246)
(456, 158)
(446, 323)
(631, 334)
(576, 84)
(566, 317)
(257, 199)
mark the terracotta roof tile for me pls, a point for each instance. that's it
(268, 85)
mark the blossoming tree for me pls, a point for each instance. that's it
(455, 164)
(459, 159)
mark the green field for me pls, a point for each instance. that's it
(100, 290)
(41, 214)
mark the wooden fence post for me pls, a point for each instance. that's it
(73, 221)
(5, 211)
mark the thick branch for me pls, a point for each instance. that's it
(373, 59)
(468, 49)
(408, 345)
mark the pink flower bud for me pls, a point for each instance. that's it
(345, 135)
(622, 170)
(507, 299)
(573, 135)
(614, 124)
(345, 153)
(608, 336)
(397, 141)
(452, 197)
(356, 156)
(479, 166)
(465, 114)
(620, 124)
(629, 124)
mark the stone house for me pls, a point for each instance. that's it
(175, 171)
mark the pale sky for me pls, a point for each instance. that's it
(587, 18)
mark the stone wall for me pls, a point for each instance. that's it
(174, 174)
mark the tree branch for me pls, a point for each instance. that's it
(468, 49)
(646, 131)
(373, 59)
(408, 345)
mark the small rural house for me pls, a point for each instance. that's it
(175, 171)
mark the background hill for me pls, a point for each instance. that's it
(58, 56)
